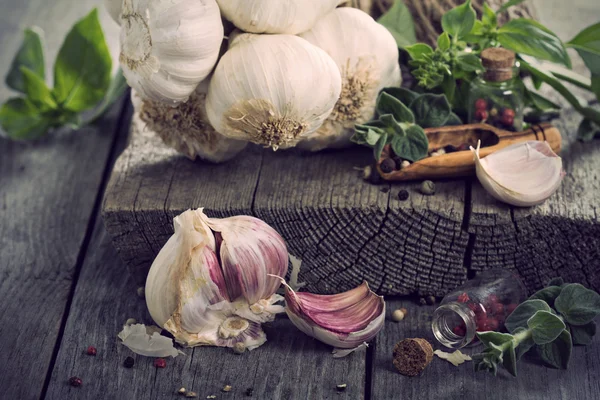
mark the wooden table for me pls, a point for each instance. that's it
(63, 287)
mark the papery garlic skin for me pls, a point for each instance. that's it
(275, 16)
(523, 174)
(185, 127)
(169, 46)
(367, 56)
(272, 90)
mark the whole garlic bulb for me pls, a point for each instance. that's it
(169, 46)
(205, 299)
(275, 16)
(185, 127)
(272, 90)
(367, 56)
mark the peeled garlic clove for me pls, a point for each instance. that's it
(523, 174)
(185, 127)
(137, 338)
(367, 57)
(272, 90)
(250, 251)
(169, 46)
(280, 16)
(345, 320)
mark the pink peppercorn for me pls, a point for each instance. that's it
(160, 363)
(91, 351)
(75, 381)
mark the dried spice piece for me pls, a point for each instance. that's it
(412, 356)
(160, 363)
(226, 388)
(403, 195)
(455, 358)
(398, 315)
(191, 394)
(75, 381)
(385, 189)
(182, 390)
(128, 363)
(428, 188)
(341, 387)
(141, 292)
(212, 396)
(91, 351)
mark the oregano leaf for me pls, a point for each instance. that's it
(548, 294)
(583, 334)
(406, 96)
(545, 327)
(431, 110)
(418, 51)
(577, 304)
(519, 317)
(387, 104)
(558, 353)
(380, 145)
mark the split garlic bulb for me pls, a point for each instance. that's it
(272, 90)
(367, 56)
(205, 299)
(275, 16)
(185, 127)
(169, 46)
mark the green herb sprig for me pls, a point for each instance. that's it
(82, 80)
(550, 322)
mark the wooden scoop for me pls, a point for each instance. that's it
(462, 163)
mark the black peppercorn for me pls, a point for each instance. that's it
(430, 300)
(385, 189)
(128, 363)
(450, 149)
(249, 392)
(75, 381)
(398, 162)
(403, 195)
(388, 165)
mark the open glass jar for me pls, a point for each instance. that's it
(481, 304)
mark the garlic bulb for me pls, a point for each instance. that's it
(186, 128)
(275, 16)
(114, 9)
(523, 174)
(169, 46)
(367, 56)
(272, 90)
(205, 299)
(345, 320)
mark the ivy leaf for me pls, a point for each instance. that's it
(443, 42)
(431, 110)
(406, 96)
(488, 17)
(399, 21)
(521, 314)
(387, 104)
(583, 334)
(21, 119)
(548, 294)
(545, 327)
(578, 305)
(469, 62)
(558, 353)
(36, 90)
(459, 21)
(82, 67)
(529, 37)
(419, 51)
(30, 55)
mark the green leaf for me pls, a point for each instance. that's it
(380, 145)
(556, 281)
(412, 146)
(469, 62)
(488, 17)
(497, 338)
(37, 91)
(82, 67)
(453, 120)
(539, 102)
(443, 42)
(399, 21)
(431, 110)
(21, 119)
(587, 130)
(406, 96)
(545, 327)
(372, 137)
(388, 104)
(529, 37)
(459, 21)
(509, 359)
(596, 85)
(508, 5)
(525, 345)
(578, 305)
(558, 353)
(417, 51)
(30, 55)
(589, 39)
(449, 87)
(521, 314)
(583, 335)
(548, 294)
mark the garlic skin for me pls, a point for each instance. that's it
(275, 16)
(272, 90)
(188, 293)
(367, 56)
(185, 127)
(169, 46)
(345, 320)
(139, 339)
(114, 9)
(523, 174)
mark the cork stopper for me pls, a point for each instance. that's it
(498, 64)
(412, 356)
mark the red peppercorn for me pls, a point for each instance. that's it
(160, 363)
(91, 351)
(498, 308)
(463, 298)
(75, 381)
(492, 298)
(508, 112)
(508, 120)
(481, 115)
(510, 308)
(492, 324)
(477, 309)
(459, 330)
(480, 104)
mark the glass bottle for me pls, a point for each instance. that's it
(496, 95)
(481, 304)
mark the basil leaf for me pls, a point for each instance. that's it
(548, 294)
(529, 37)
(521, 314)
(21, 119)
(545, 327)
(82, 67)
(558, 353)
(469, 62)
(387, 104)
(411, 146)
(459, 21)
(30, 55)
(443, 42)
(583, 335)
(380, 145)
(118, 86)
(404, 95)
(508, 5)
(418, 51)
(37, 91)
(588, 39)
(587, 130)
(488, 17)
(431, 110)
(578, 305)
(399, 21)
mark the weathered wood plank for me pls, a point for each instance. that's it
(442, 380)
(289, 366)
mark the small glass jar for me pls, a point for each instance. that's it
(496, 95)
(481, 304)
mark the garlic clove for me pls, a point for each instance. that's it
(137, 338)
(523, 174)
